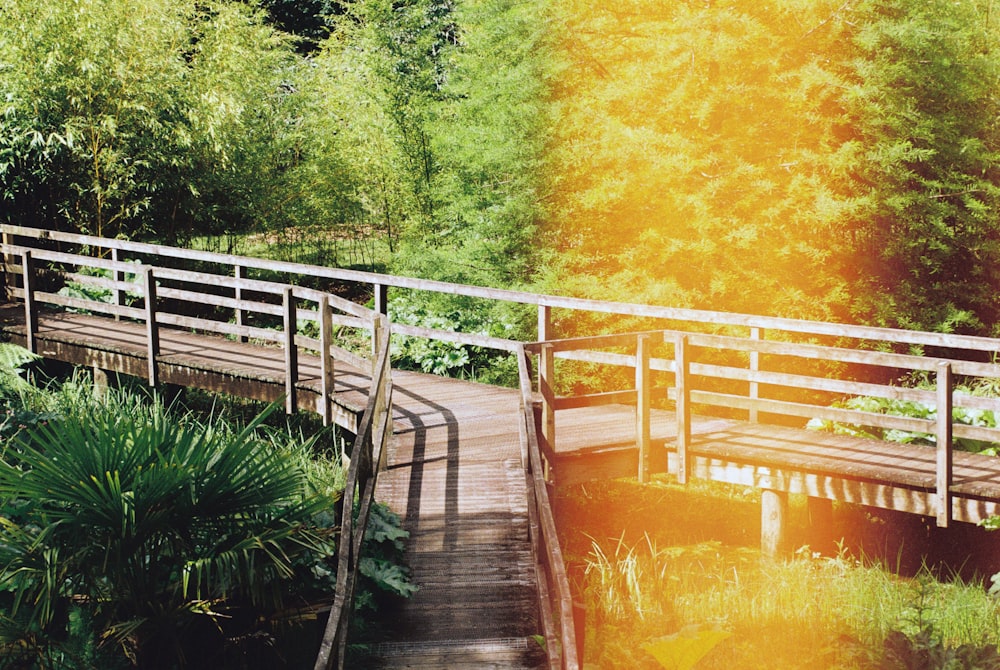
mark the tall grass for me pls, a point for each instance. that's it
(811, 612)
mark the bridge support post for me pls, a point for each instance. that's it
(642, 392)
(291, 351)
(381, 296)
(681, 373)
(546, 372)
(773, 522)
(100, 382)
(944, 443)
(117, 296)
(544, 323)
(239, 272)
(325, 360)
(30, 310)
(152, 332)
(756, 334)
(8, 261)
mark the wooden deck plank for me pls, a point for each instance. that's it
(455, 474)
(823, 464)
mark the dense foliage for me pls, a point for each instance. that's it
(132, 535)
(814, 159)
(810, 159)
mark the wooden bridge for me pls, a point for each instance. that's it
(699, 394)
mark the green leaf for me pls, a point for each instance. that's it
(388, 576)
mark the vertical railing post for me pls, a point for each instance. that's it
(326, 360)
(30, 309)
(385, 405)
(944, 443)
(239, 273)
(7, 258)
(683, 383)
(756, 334)
(117, 297)
(642, 400)
(546, 381)
(8, 265)
(291, 350)
(376, 340)
(381, 296)
(544, 323)
(152, 331)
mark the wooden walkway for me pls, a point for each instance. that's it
(455, 474)
(599, 442)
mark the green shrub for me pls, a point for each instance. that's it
(165, 536)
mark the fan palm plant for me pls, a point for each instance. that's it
(163, 530)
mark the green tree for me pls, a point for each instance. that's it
(926, 181)
(692, 149)
(488, 132)
(131, 117)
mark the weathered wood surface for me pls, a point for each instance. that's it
(456, 476)
(599, 442)
(544, 303)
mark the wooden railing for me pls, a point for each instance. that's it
(767, 368)
(367, 459)
(202, 301)
(788, 382)
(548, 307)
(128, 281)
(555, 600)
(141, 291)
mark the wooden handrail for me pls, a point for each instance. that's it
(544, 303)
(692, 385)
(368, 451)
(556, 599)
(691, 331)
(367, 455)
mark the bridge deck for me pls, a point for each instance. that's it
(599, 442)
(590, 442)
(454, 474)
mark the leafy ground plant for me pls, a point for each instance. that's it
(129, 536)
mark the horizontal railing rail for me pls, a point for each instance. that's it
(169, 297)
(379, 284)
(367, 459)
(761, 368)
(129, 283)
